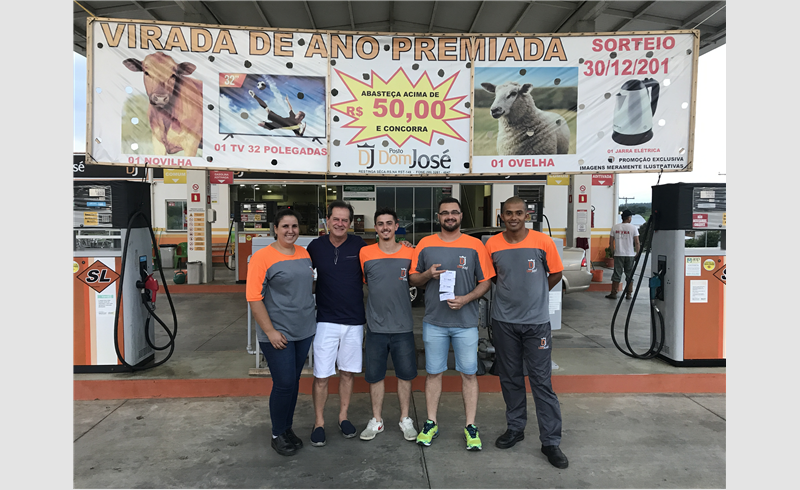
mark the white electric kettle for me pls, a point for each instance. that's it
(633, 114)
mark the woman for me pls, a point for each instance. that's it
(279, 291)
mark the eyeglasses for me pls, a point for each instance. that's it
(450, 213)
(335, 255)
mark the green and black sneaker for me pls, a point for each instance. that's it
(428, 433)
(473, 438)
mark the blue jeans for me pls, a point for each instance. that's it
(285, 367)
(437, 346)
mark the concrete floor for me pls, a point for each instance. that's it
(613, 440)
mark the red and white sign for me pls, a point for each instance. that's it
(581, 197)
(195, 197)
(220, 177)
(603, 179)
(699, 220)
(583, 188)
(195, 187)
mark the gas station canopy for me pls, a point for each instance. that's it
(424, 16)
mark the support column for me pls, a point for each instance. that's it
(198, 211)
(579, 207)
(579, 211)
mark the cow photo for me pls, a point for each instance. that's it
(166, 118)
(525, 111)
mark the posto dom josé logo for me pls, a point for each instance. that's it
(397, 159)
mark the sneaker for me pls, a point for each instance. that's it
(318, 437)
(472, 437)
(555, 456)
(348, 429)
(407, 426)
(373, 429)
(430, 431)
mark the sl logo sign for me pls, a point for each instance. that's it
(98, 276)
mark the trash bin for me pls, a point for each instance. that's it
(194, 273)
(167, 255)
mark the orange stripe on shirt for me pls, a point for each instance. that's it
(260, 262)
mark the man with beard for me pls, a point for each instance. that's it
(449, 264)
(528, 267)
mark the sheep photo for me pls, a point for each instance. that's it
(522, 111)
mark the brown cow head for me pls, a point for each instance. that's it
(160, 76)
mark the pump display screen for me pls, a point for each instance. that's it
(91, 206)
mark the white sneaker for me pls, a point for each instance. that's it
(407, 426)
(373, 428)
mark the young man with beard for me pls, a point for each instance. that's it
(528, 267)
(389, 323)
(453, 316)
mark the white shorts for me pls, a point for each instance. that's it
(340, 345)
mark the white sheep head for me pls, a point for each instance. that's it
(505, 96)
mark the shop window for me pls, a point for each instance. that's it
(176, 214)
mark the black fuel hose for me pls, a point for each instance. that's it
(656, 328)
(171, 334)
(225, 253)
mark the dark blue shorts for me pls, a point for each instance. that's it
(377, 348)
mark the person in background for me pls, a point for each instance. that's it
(624, 242)
(280, 294)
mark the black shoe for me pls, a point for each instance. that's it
(555, 456)
(318, 437)
(283, 446)
(509, 438)
(298, 443)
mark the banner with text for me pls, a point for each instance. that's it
(396, 108)
(355, 103)
(207, 97)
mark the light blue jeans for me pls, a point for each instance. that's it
(437, 345)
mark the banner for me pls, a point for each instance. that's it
(396, 111)
(207, 97)
(356, 103)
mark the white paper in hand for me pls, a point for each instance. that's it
(447, 282)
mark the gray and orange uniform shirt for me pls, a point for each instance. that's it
(388, 304)
(285, 284)
(465, 255)
(522, 293)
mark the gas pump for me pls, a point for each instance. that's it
(533, 220)
(692, 294)
(252, 220)
(114, 290)
(687, 284)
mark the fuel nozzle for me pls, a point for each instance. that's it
(657, 281)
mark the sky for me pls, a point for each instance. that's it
(709, 163)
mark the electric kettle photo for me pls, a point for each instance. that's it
(634, 111)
